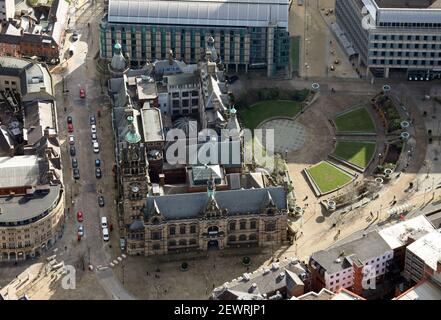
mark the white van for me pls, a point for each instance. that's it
(103, 222)
(105, 234)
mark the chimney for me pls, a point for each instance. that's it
(358, 278)
(161, 179)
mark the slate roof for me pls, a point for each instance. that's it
(365, 248)
(285, 274)
(19, 171)
(181, 206)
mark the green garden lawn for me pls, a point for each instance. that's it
(259, 112)
(355, 152)
(328, 177)
(357, 120)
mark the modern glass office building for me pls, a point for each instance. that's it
(400, 36)
(248, 33)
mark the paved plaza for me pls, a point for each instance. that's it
(289, 135)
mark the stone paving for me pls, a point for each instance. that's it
(288, 134)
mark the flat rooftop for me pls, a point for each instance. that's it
(152, 124)
(409, 4)
(427, 290)
(428, 248)
(23, 208)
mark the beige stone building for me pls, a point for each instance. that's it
(201, 221)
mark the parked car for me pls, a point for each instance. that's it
(106, 234)
(72, 151)
(98, 173)
(96, 147)
(74, 163)
(101, 201)
(93, 128)
(232, 79)
(75, 36)
(69, 119)
(80, 231)
(80, 216)
(97, 163)
(103, 222)
(71, 139)
(94, 138)
(76, 173)
(92, 120)
(82, 93)
(70, 127)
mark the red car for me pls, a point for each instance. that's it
(80, 216)
(70, 127)
(82, 93)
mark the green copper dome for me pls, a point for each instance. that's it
(132, 135)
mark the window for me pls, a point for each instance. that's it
(156, 235)
(242, 237)
(172, 231)
(192, 229)
(232, 226)
(270, 226)
(172, 243)
(183, 242)
(253, 224)
(156, 246)
(253, 237)
(182, 229)
(243, 225)
(232, 239)
(331, 283)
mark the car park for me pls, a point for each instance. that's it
(98, 174)
(74, 163)
(101, 201)
(76, 173)
(72, 151)
(80, 216)
(71, 139)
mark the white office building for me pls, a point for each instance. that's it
(392, 37)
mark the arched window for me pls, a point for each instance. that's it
(243, 224)
(213, 229)
(232, 226)
(270, 226)
(231, 238)
(182, 242)
(172, 243)
(242, 237)
(253, 237)
(253, 224)
(193, 241)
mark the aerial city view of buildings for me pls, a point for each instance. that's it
(220, 149)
